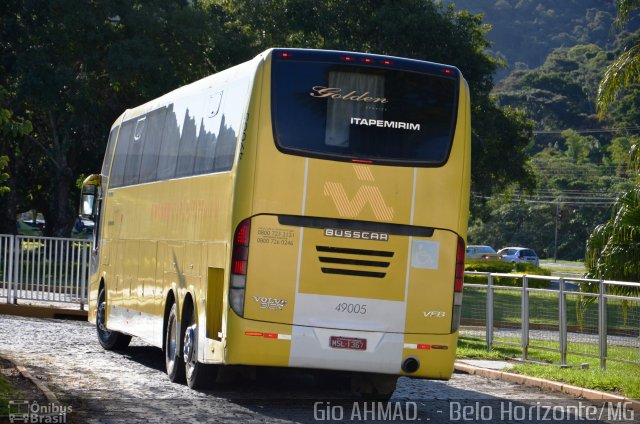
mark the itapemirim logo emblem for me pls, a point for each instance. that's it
(367, 194)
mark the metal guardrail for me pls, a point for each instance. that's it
(535, 314)
(44, 269)
(541, 314)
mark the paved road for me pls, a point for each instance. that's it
(131, 387)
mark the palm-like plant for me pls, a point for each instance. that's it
(625, 70)
(613, 249)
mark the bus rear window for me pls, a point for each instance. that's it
(350, 112)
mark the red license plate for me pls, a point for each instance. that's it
(352, 343)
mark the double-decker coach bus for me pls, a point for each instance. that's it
(305, 209)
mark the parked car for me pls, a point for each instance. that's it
(519, 254)
(482, 252)
(30, 227)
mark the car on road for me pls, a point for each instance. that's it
(482, 252)
(30, 227)
(519, 254)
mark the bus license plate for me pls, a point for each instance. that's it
(352, 343)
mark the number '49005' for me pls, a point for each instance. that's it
(352, 308)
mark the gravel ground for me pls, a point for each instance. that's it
(131, 387)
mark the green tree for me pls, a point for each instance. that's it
(625, 70)
(10, 127)
(75, 66)
(569, 178)
(613, 249)
(419, 29)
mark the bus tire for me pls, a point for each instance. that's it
(173, 352)
(109, 340)
(198, 375)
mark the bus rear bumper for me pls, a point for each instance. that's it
(268, 344)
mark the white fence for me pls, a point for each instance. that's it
(44, 269)
(548, 318)
(535, 315)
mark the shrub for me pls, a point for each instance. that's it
(527, 268)
(488, 266)
(504, 268)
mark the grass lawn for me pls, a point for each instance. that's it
(619, 378)
(5, 396)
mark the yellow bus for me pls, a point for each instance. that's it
(304, 209)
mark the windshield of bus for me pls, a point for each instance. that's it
(363, 113)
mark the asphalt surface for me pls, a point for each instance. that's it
(96, 386)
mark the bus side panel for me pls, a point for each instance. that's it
(464, 126)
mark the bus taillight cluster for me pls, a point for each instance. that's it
(239, 265)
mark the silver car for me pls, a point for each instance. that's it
(481, 252)
(519, 254)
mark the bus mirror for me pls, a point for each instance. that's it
(88, 197)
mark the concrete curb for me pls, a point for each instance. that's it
(543, 384)
(34, 311)
(51, 397)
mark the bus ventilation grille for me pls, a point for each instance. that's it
(355, 259)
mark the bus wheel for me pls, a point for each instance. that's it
(109, 340)
(199, 375)
(172, 357)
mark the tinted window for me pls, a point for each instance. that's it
(235, 103)
(170, 142)
(108, 156)
(151, 148)
(351, 112)
(194, 135)
(191, 128)
(134, 153)
(207, 139)
(120, 157)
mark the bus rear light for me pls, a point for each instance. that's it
(440, 347)
(347, 58)
(278, 336)
(239, 263)
(447, 71)
(457, 286)
(367, 60)
(387, 62)
(284, 54)
(241, 237)
(239, 266)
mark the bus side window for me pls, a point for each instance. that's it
(168, 156)
(193, 119)
(208, 137)
(120, 157)
(108, 156)
(134, 153)
(151, 148)
(235, 103)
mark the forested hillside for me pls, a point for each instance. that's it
(525, 32)
(561, 50)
